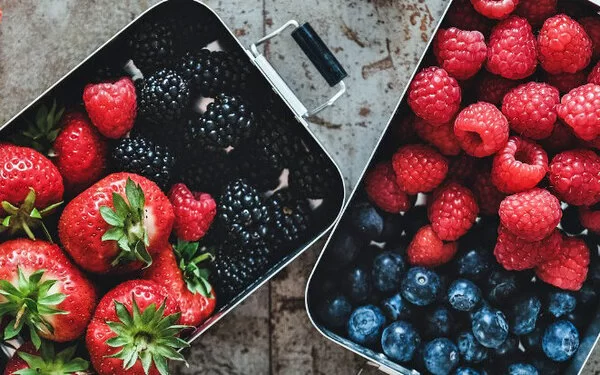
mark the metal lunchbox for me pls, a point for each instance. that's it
(271, 86)
(319, 281)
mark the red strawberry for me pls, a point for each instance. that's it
(116, 224)
(134, 330)
(28, 360)
(80, 152)
(568, 270)
(383, 191)
(428, 250)
(112, 106)
(38, 273)
(194, 212)
(179, 272)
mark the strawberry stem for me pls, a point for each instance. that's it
(26, 217)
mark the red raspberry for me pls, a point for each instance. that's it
(575, 177)
(452, 211)
(561, 139)
(462, 14)
(463, 169)
(563, 45)
(515, 254)
(441, 136)
(531, 109)
(194, 212)
(481, 129)
(427, 250)
(566, 82)
(112, 107)
(492, 88)
(419, 168)
(590, 218)
(434, 96)
(568, 270)
(580, 109)
(530, 215)
(461, 53)
(536, 11)
(488, 196)
(594, 76)
(495, 9)
(511, 49)
(519, 166)
(383, 191)
(591, 25)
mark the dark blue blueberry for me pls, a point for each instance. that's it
(509, 347)
(463, 295)
(561, 303)
(475, 263)
(415, 219)
(570, 220)
(420, 286)
(471, 351)
(522, 369)
(387, 271)
(366, 221)
(440, 356)
(393, 225)
(533, 341)
(343, 250)
(357, 285)
(466, 371)
(560, 340)
(365, 325)
(438, 322)
(489, 327)
(395, 307)
(502, 286)
(524, 315)
(400, 341)
(335, 311)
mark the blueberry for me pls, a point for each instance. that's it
(471, 351)
(522, 369)
(587, 296)
(544, 365)
(365, 325)
(335, 311)
(393, 225)
(524, 315)
(366, 221)
(474, 264)
(438, 322)
(440, 356)
(570, 220)
(396, 307)
(560, 340)
(489, 327)
(357, 285)
(400, 341)
(509, 347)
(387, 272)
(420, 286)
(502, 286)
(466, 371)
(463, 295)
(561, 303)
(344, 249)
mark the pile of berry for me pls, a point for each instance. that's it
(472, 245)
(168, 186)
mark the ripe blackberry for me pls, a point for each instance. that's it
(261, 175)
(163, 97)
(141, 156)
(192, 139)
(273, 140)
(311, 174)
(291, 218)
(206, 171)
(151, 45)
(243, 214)
(227, 121)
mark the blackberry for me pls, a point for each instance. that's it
(243, 214)
(311, 174)
(274, 140)
(193, 140)
(261, 175)
(151, 45)
(207, 172)
(290, 218)
(141, 156)
(163, 97)
(168, 135)
(227, 121)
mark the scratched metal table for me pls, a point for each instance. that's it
(379, 42)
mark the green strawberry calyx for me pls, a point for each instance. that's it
(29, 303)
(49, 362)
(43, 130)
(148, 336)
(189, 259)
(126, 221)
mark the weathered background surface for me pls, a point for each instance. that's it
(378, 41)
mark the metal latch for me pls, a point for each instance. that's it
(318, 53)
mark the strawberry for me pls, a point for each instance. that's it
(177, 269)
(194, 212)
(42, 290)
(31, 187)
(117, 224)
(134, 330)
(28, 360)
(112, 106)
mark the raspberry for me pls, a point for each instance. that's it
(511, 49)
(441, 136)
(530, 215)
(536, 11)
(568, 270)
(563, 45)
(495, 9)
(419, 168)
(383, 191)
(427, 250)
(452, 211)
(481, 129)
(194, 212)
(566, 82)
(515, 254)
(575, 177)
(590, 218)
(519, 166)
(488, 196)
(561, 139)
(531, 109)
(462, 13)
(580, 109)
(462, 169)
(591, 25)
(492, 88)
(461, 53)
(594, 76)
(434, 96)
